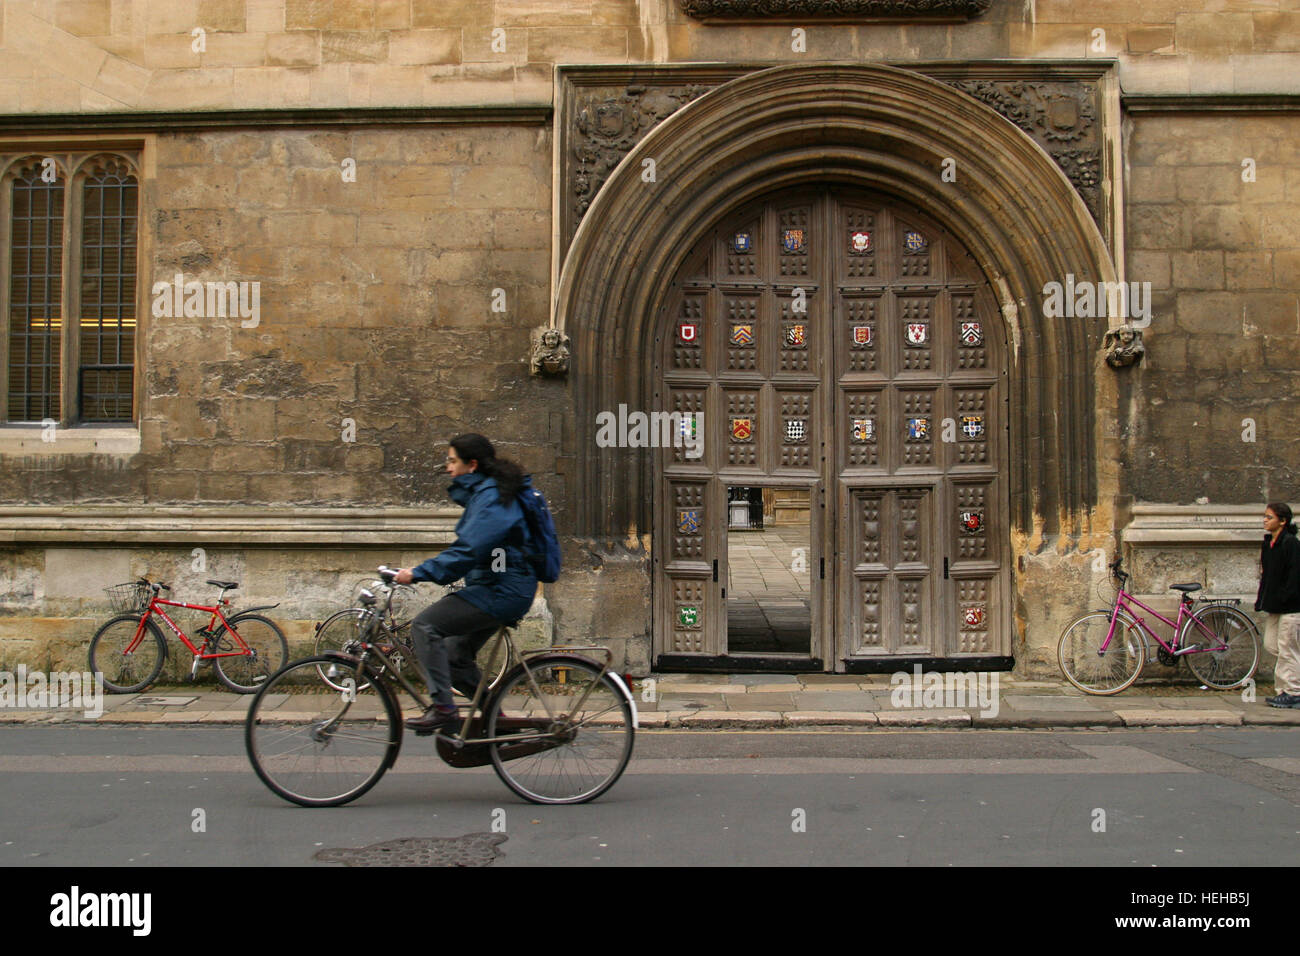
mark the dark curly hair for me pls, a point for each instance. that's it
(509, 476)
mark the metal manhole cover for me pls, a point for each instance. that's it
(164, 701)
(472, 849)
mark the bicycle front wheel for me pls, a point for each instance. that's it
(267, 648)
(1093, 671)
(1226, 646)
(575, 728)
(126, 669)
(316, 745)
(345, 631)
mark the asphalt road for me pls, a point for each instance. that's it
(124, 796)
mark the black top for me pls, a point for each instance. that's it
(1279, 585)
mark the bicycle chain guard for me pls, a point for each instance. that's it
(477, 755)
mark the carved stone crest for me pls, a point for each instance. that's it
(1123, 346)
(1061, 117)
(550, 352)
(608, 126)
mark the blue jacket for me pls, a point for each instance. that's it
(486, 525)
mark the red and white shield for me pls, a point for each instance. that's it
(917, 333)
(687, 331)
(861, 335)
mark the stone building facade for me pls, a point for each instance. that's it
(307, 241)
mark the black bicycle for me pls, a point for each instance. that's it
(557, 728)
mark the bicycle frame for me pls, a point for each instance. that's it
(1126, 601)
(156, 607)
(390, 673)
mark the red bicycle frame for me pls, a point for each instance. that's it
(155, 607)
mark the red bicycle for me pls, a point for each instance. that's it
(130, 651)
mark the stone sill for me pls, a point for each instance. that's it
(27, 440)
(225, 525)
(1239, 525)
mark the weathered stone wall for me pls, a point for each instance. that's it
(376, 309)
(52, 599)
(96, 55)
(1212, 411)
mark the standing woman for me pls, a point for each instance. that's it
(1279, 597)
(492, 552)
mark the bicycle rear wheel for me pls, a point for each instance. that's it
(317, 745)
(1084, 665)
(268, 652)
(127, 673)
(1228, 658)
(567, 755)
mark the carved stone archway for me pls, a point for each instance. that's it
(882, 129)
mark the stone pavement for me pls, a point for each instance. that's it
(812, 700)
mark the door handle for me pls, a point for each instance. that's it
(945, 569)
(715, 569)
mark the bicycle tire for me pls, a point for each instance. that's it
(313, 753)
(109, 645)
(1233, 664)
(343, 631)
(245, 674)
(1080, 660)
(584, 758)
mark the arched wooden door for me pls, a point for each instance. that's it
(847, 509)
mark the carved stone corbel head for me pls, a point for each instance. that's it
(1123, 346)
(550, 352)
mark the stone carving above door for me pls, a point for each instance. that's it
(838, 9)
(606, 111)
(1060, 116)
(609, 120)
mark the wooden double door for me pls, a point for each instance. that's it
(840, 356)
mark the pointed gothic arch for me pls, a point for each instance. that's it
(875, 127)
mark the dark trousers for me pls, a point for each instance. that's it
(448, 636)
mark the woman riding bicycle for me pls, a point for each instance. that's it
(493, 553)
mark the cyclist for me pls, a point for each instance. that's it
(491, 552)
(1279, 597)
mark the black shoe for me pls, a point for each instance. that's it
(433, 721)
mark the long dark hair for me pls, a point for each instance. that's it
(1283, 511)
(509, 476)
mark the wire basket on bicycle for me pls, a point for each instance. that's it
(129, 598)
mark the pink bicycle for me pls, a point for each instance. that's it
(1102, 652)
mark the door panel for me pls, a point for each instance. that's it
(836, 340)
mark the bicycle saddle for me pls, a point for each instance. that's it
(1186, 588)
(228, 585)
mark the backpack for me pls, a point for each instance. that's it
(546, 546)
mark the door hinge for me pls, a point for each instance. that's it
(715, 569)
(945, 569)
(823, 563)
